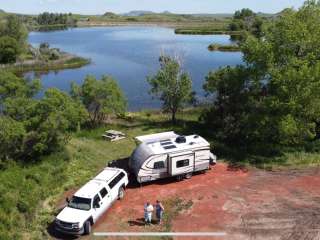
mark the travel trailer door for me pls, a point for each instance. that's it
(181, 163)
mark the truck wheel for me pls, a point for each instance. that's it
(87, 228)
(188, 176)
(121, 193)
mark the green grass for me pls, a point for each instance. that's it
(224, 48)
(29, 193)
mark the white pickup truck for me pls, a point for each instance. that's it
(91, 201)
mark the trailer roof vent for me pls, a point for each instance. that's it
(166, 143)
(181, 139)
(196, 136)
(169, 147)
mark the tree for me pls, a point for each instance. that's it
(172, 86)
(52, 117)
(244, 13)
(274, 100)
(11, 138)
(12, 86)
(41, 125)
(100, 97)
(14, 28)
(55, 19)
(247, 20)
(9, 50)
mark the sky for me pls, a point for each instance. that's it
(122, 6)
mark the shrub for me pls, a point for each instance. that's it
(9, 49)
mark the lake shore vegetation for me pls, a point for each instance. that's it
(101, 98)
(18, 56)
(272, 102)
(224, 48)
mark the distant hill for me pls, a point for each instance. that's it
(110, 15)
(216, 15)
(138, 13)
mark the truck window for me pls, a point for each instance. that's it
(182, 163)
(96, 200)
(158, 165)
(103, 192)
(116, 180)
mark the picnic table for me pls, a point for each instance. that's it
(112, 135)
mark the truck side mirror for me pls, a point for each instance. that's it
(67, 200)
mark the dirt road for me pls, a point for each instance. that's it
(246, 204)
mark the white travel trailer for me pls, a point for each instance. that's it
(170, 155)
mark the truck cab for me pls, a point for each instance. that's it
(91, 201)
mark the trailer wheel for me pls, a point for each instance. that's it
(179, 178)
(188, 176)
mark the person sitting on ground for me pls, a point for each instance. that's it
(159, 211)
(149, 210)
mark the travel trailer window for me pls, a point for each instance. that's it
(103, 192)
(96, 201)
(159, 165)
(182, 163)
(116, 180)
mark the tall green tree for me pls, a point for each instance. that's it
(15, 29)
(246, 20)
(171, 85)
(274, 99)
(101, 98)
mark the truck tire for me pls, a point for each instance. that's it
(188, 176)
(121, 193)
(87, 228)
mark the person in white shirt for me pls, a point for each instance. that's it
(148, 212)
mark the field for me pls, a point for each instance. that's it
(30, 195)
(243, 203)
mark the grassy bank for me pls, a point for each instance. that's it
(223, 48)
(29, 193)
(203, 31)
(70, 63)
(49, 27)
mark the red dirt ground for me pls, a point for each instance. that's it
(246, 204)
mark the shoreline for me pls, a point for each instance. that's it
(188, 28)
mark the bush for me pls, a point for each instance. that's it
(9, 50)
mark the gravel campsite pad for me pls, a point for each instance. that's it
(245, 204)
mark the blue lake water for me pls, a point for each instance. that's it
(130, 54)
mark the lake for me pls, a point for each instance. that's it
(130, 54)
